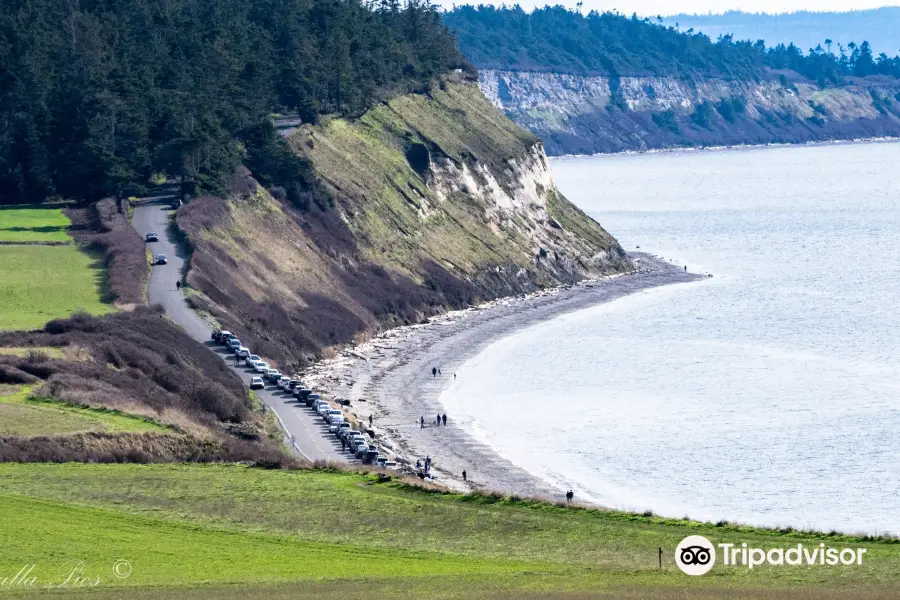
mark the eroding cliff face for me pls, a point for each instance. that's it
(575, 114)
(439, 201)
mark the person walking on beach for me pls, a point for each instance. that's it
(434, 371)
(569, 495)
(464, 475)
(421, 422)
(444, 418)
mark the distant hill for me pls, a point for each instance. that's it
(880, 27)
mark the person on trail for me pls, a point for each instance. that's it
(427, 463)
(444, 418)
(439, 419)
(454, 376)
(685, 268)
(464, 475)
(569, 495)
(434, 371)
(418, 464)
(439, 371)
(370, 420)
(178, 285)
(421, 422)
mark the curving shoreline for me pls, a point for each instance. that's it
(389, 377)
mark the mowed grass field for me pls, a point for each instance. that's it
(236, 532)
(33, 224)
(22, 415)
(45, 282)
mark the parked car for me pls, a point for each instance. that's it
(253, 358)
(283, 383)
(176, 204)
(321, 406)
(332, 414)
(293, 384)
(256, 383)
(220, 337)
(272, 375)
(363, 449)
(341, 428)
(160, 260)
(380, 460)
(392, 465)
(356, 443)
(152, 237)
(243, 352)
(233, 344)
(261, 366)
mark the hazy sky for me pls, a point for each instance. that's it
(669, 7)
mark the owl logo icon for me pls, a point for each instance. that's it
(695, 555)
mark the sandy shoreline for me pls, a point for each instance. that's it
(390, 376)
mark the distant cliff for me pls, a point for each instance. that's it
(575, 114)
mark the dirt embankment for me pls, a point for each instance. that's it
(438, 202)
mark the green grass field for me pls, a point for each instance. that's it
(235, 532)
(21, 415)
(41, 283)
(33, 224)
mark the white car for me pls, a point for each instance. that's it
(321, 407)
(330, 414)
(261, 366)
(283, 382)
(253, 358)
(391, 465)
(256, 383)
(243, 352)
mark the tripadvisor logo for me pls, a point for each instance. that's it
(696, 555)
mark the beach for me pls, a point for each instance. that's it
(390, 376)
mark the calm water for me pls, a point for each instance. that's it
(767, 395)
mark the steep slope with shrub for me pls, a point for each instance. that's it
(136, 363)
(603, 82)
(436, 201)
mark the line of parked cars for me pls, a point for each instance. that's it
(356, 442)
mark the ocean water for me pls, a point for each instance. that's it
(769, 394)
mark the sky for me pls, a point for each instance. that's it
(670, 7)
